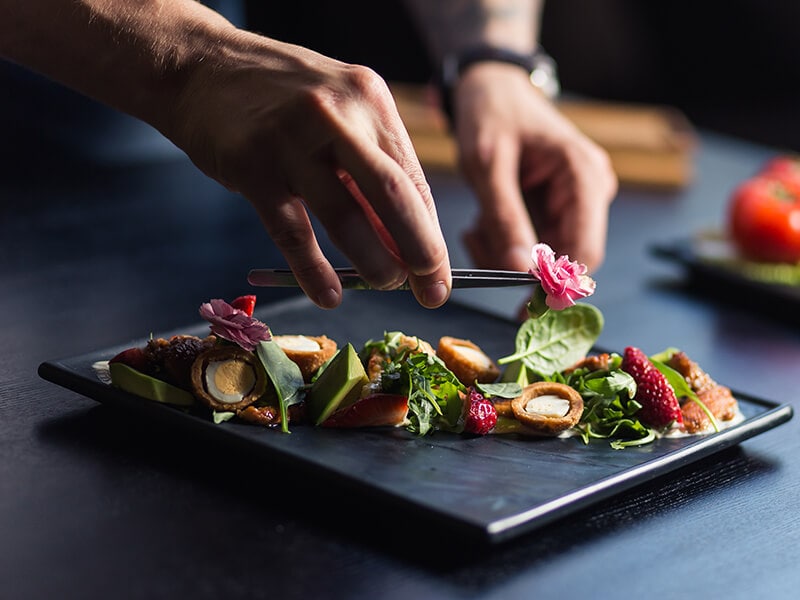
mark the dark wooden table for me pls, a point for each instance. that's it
(95, 503)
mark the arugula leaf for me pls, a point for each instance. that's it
(557, 339)
(432, 389)
(285, 376)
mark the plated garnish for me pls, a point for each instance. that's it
(551, 385)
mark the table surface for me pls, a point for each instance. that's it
(97, 503)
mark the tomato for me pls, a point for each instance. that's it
(764, 219)
(784, 167)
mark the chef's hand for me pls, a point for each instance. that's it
(537, 178)
(296, 133)
(293, 131)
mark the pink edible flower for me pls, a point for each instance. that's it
(563, 280)
(234, 325)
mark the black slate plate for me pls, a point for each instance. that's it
(488, 488)
(727, 284)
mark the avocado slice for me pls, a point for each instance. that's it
(133, 381)
(337, 386)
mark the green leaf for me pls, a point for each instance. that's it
(510, 389)
(557, 339)
(609, 410)
(614, 383)
(432, 389)
(285, 376)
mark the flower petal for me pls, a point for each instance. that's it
(563, 281)
(234, 325)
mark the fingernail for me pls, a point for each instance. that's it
(328, 299)
(435, 294)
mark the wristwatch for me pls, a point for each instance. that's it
(540, 66)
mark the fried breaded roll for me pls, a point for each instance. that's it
(307, 352)
(467, 361)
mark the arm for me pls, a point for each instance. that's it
(292, 130)
(450, 26)
(536, 177)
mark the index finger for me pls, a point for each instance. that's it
(400, 199)
(387, 179)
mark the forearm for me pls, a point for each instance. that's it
(452, 25)
(130, 54)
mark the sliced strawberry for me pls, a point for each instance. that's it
(246, 304)
(371, 411)
(134, 358)
(660, 406)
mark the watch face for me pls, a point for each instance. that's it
(544, 75)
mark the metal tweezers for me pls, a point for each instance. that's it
(351, 280)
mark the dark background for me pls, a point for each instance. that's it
(732, 67)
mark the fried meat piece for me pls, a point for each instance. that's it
(717, 398)
(408, 343)
(269, 415)
(598, 362)
(173, 357)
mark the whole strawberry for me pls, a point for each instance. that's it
(480, 415)
(660, 407)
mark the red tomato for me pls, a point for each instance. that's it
(764, 219)
(784, 167)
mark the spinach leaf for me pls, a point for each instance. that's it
(285, 376)
(557, 339)
(508, 390)
(609, 410)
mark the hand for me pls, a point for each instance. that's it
(294, 131)
(537, 178)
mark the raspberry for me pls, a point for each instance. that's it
(660, 407)
(480, 415)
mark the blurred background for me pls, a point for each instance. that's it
(731, 66)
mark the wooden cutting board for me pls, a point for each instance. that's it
(649, 145)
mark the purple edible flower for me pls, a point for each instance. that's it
(234, 325)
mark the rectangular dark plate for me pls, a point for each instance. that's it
(490, 488)
(728, 284)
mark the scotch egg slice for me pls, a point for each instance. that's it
(227, 378)
(547, 407)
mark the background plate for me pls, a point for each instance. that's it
(488, 488)
(729, 285)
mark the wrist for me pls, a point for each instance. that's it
(539, 66)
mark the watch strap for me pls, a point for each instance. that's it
(540, 67)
